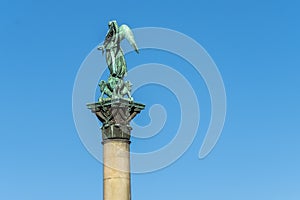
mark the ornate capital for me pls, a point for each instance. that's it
(115, 115)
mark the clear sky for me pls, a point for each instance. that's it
(255, 45)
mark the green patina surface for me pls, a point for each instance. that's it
(116, 107)
(115, 86)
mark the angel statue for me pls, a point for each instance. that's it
(115, 87)
(114, 53)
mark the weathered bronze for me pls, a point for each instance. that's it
(115, 87)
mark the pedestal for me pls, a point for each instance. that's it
(115, 116)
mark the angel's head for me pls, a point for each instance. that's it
(113, 26)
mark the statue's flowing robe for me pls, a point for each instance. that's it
(114, 54)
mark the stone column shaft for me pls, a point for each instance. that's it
(116, 170)
(115, 116)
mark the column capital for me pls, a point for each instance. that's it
(115, 115)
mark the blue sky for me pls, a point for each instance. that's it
(255, 45)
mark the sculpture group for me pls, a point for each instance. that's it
(115, 87)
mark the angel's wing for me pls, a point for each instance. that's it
(125, 32)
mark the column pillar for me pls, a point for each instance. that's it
(115, 116)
